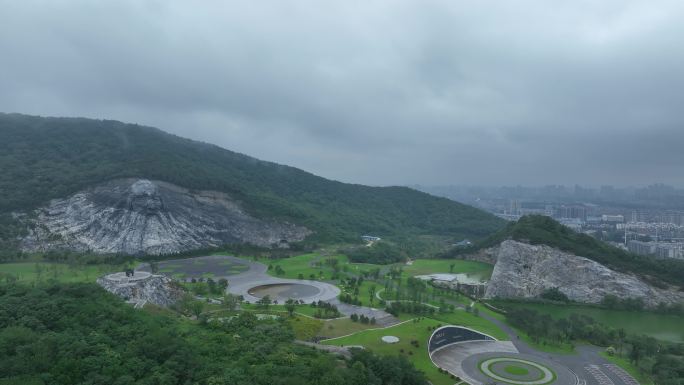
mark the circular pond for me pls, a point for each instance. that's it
(283, 291)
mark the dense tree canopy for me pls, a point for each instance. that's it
(46, 158)
(80, 334)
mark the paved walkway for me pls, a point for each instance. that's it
(587, 364)
(257, 275)
(382, 318)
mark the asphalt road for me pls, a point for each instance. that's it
(587, 364)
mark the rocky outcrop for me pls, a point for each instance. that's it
(138, 216)
(525, 271)
(142, 288)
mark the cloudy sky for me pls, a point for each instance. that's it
(375, 92)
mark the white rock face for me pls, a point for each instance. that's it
(138, 216)
(157, 289)
(525, 271)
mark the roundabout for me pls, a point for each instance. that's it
(516, 371)
(282, 291)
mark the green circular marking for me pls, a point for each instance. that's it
(516, 370)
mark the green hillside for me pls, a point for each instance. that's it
(79, 334)
(46, 158)
(542, 230)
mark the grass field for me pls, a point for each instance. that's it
(43, 271)
(661, 326)
(341, 327)
(463, 318)
(371, 340)
(431, 266)
(305, 328)
(303, 264)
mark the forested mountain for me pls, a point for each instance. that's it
(542, 230)
(46, 158)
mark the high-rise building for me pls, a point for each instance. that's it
(514, 207)
(641, 248)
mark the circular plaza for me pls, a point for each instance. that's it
(516, 369)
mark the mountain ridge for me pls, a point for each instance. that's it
(51, 158)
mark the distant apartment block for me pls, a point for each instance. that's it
(641, 248)
(612, 218)
(657, 249)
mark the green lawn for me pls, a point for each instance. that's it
(463, 318)
(431, 266)
(661, 326)
(305, 310)
(342, 327)
(371, 340)
(627, 366)
(302, 264)
(305, 328)
(43, 271)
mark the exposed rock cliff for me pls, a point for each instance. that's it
(142, 287)
(134, 216)
(525, 271)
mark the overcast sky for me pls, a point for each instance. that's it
(374, 92)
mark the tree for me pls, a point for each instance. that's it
(223, 284)
(230, 301)
(290, 306)
(154, 267)
(196, 308)
(554, 294)
(38, 268)
(211, 284)
(635, 352)
(621, 339)
(264, 302)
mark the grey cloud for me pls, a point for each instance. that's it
(377, 92)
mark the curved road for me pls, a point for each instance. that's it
(587, 364)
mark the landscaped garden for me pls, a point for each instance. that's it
(412, 334)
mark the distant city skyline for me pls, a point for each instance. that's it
(566, 185)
